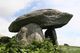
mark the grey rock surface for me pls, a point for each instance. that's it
(29, 33)
(45, 18)
(51, 34)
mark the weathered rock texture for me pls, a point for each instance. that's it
(29, 33)
(46, 18)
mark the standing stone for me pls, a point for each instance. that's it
(51, 34)
(29, 33)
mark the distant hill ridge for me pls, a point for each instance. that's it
(1, 35)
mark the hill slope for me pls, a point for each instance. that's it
(45, 47)
(69, 49)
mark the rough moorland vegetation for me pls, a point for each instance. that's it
(12, 46)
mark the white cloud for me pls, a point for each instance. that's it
(58, 1)
(8, 7)
(70, 32)
(69, 39)
(4, 24)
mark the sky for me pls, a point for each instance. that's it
(70, 33)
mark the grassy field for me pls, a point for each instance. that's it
(69, 49)
(12, 46)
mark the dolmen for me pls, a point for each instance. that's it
(30, 26)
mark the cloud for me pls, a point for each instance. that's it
(8, 7)
(71, 39)
(70, 32)
(4, 24)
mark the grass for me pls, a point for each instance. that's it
(45, 47)
(69, 49)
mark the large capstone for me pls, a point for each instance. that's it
(29, 33)
(45, 18)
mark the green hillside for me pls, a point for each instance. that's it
(69, 49)
(12, 46)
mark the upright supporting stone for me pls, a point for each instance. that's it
(51, 34)
(29, 33)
